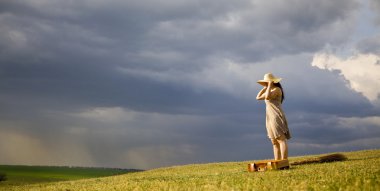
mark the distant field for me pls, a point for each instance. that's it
(23, 175)
(360, 172)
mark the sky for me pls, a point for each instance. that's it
(154, 83)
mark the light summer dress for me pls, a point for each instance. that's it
(276, 123)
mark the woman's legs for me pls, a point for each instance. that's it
(276, 149)
(283, 147)
(280, 148)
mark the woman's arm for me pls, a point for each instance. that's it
(261, 95)
(272, 92)
(268, 91)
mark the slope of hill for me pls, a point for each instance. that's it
(17, 175)
(360, 172)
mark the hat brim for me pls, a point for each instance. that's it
(265, 82)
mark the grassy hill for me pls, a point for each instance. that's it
(360, 172)
(17, 175)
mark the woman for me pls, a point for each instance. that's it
(276, 123)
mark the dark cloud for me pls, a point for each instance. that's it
(147, 84)
(259, 30)
(370, 45)
(375, 6)
(121, 32)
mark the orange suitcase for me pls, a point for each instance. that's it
(268, 165)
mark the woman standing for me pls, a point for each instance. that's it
(276, 123)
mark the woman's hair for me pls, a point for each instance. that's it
(282, 90)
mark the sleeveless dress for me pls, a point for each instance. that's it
(276, 122)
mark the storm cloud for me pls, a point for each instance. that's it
(145, 84)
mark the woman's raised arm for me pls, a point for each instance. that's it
(261, 95)
(268, 92)
(271, 93)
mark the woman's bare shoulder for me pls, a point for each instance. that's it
(277, 91)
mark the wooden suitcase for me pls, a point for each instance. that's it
(268, 165)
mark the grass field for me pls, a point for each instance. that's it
(24, 175)
(360, 172)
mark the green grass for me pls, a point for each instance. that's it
(23, 175)
(360, 172)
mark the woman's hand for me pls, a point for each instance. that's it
(268, 90)
(270, 84)
(261, 95)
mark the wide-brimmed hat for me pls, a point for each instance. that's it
(268, 77)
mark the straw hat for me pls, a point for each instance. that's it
(267, 78)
